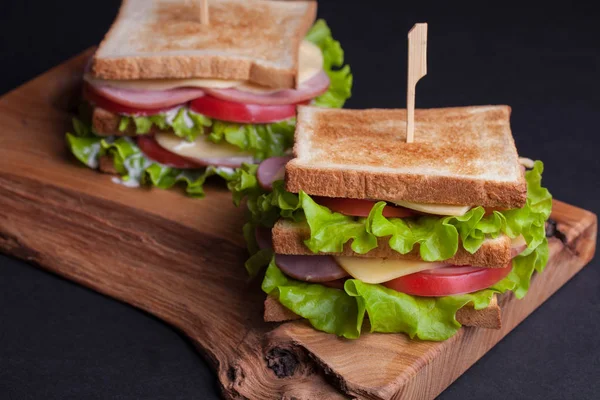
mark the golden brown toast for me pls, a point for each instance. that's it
(489, 317)
(460, 156)
(250, 40)
(288, 238)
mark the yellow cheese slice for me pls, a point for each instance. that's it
(518, 242)
(162, 84)
(526, 162)
(201, 148)
(436, 209)
(310, 63)
(378, 270)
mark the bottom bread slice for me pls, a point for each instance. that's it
(489, 317)
(289, 237)
(106, 123)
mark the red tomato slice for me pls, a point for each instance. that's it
(447, 281)
(240, 112)
(152, 150)
(361, 208)
(96, 99)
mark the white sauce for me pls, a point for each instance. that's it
(92, 155)
(128, 183)
(171, 114)
(135, 167)
(187, 120)
(226, 170)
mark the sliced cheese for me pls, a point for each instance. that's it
(201, 149)
(310, 63)
(526, 162)
(162, 84)
(378, 270)
(436, 209)
(518, 242)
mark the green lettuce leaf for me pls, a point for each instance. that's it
(185, 123)
(326, 225)
(340, 88)
(428, 318)
(329, 310)
(135, 168)
(244, 183)
(260, 258)
(265, 208)
(261, 140)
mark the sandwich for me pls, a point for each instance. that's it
(168, 99)
(416, 238)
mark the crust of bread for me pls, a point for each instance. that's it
(489, 317)
(461, 156)
(277, 312)
(288, 238)
(107, 165)
(106, 123)
(215, 59)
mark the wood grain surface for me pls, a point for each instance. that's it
(181, 260)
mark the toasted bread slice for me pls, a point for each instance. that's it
(489, 317)
(289, 237)
(107, 165)
(460, 156)
(106, 123)
(251, 40)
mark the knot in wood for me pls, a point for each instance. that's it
(282, 362)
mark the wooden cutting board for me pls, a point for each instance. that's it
(182, 260)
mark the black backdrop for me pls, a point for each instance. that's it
(58, 340)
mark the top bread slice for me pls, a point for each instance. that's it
(250, 40)
(460, 156)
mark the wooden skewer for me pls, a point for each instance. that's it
(417, 68)
(204, 17)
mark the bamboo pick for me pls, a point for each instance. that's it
(417, 68)
(204, 17)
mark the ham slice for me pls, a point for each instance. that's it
(303, 268)
(308, 90)
(148, 99)
(310, 268)
(270, 170)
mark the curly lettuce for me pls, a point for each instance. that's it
(132, 165)
(389, 310)
(340, 88)
(260, 140)
(182, 121)
(329, 310)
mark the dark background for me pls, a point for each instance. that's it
(58, 340)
